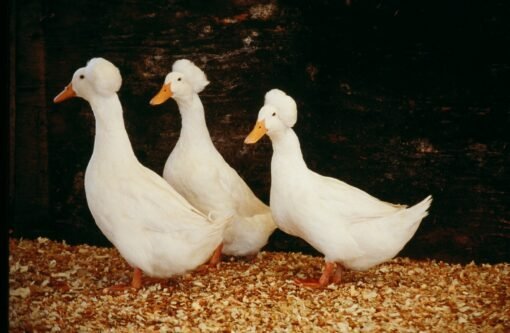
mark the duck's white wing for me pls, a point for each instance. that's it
(350, 202)
(154, 180)
(164, 210)
(214, 185)
(242, 197)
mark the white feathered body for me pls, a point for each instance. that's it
(153, 227)
(198, 171)
(346, 224)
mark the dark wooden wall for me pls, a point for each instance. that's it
(399, 99)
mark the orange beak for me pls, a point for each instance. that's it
(164, 94)
(258, 132)
(67, 93)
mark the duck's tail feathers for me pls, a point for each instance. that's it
(221, 221)
(418, 212)
(423, 206)
(261, 223)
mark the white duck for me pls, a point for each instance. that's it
(198, 171)
(154, 228)
(349, 226)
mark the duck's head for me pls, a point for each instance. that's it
(99, 77)
(183, 81)
(278, 113)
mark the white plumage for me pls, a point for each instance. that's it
(198, 171)
(104, 77)
(285, 104)
(154, 228)
(194, 75)
(349, 226)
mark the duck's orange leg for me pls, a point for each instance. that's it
(136, 283)
(323, 281)
(213, 261)
(337, 277)
(216, 257)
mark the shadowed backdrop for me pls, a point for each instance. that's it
(399, 99)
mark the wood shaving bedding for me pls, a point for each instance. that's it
(55, 287)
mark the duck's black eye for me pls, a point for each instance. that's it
(274, 114)
(82, 76)
(179, 79)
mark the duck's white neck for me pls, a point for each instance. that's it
(111, 140)
(194, 128)
(286, 149)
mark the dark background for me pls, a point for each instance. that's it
(399, 98)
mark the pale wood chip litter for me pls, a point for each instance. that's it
(55, 287)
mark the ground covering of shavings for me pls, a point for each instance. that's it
(57, 287)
